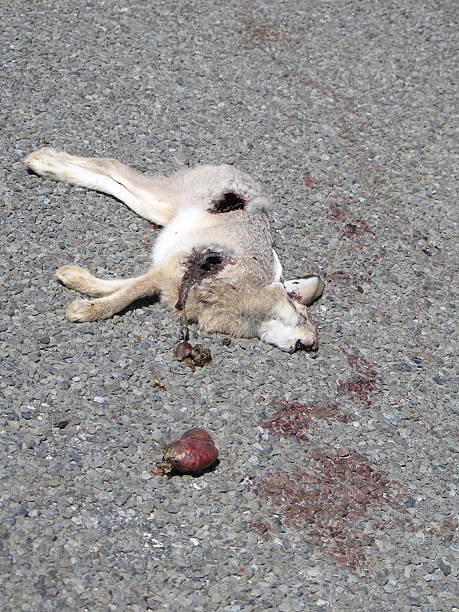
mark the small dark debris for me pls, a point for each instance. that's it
(62, 424)
(193, 356)
(182, 351)
(410, 503)
(226, 341)
(200, 355)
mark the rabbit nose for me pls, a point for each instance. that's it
(300, 346)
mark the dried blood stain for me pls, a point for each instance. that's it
(294, 419)
(365, 380)
(361, 365)
(145, 242)
(357, 387)
(328, 500)
(261, 528)
(309, 181)
(338, 275)
(357, 227)
(336, 212)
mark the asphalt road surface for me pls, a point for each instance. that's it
(338, 471)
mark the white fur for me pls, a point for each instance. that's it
(179, 235)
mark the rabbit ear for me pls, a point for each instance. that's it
(305, 290)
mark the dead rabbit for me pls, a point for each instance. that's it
(213, 262)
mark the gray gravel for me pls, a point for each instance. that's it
(345, 110)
